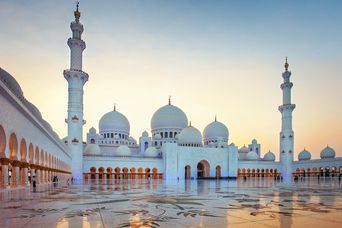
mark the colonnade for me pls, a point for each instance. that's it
(122, 173)
(27, 162)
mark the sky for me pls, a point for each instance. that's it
(215, 57)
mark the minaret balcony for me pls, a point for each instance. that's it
(76, 42)
(290, 107)
(286, 85)
(74, 73)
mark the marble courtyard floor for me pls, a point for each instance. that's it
(154, 203)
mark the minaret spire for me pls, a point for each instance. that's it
(77, 13)
(286, 133)
(76, 78)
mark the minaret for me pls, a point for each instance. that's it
(286, 134)
(76, 79)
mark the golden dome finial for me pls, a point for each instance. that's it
(190, 123)
(169, 100)
(286, 65)
(77, 13)
(114, 107)
(215, 118)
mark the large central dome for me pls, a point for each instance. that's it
(169, 116)
(114, 121)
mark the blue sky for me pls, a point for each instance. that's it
(213, 57)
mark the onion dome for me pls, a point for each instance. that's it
(92, 131)
(328, 152)
(144, 134)
(11, 83)
(114, 121)
(157, 136)
(169, 116)
(215, 130)
(92, 149)
(190, 136)
(304, 155)
(269, 156)
(252, 156)
(151, 152)
(244, 149)
(123, 151)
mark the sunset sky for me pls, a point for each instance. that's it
(212, 57)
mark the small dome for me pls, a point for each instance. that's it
(144, 134)
(216, 130)
(47, 125)
(190, 135)
(92, 149)
(151, 152)
(328, 152)
(244, 149)
(252, 156)
(123, 151)
(33, 109)
(157, 136)
(114, 121)
(254, 141)
(11, 83)
(304, 155)
(269, 156)
(169, 116)
(131, 139)
(92, 131)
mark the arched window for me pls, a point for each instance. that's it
(112, 135)
(92, 141)
(161, 134)
(170, 134)
(166, 135)
(145, 145)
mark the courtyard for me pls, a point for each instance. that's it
(255, 202)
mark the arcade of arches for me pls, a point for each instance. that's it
(304, 172)
(26, 161)
(122, 173)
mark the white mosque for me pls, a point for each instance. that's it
(174, 149)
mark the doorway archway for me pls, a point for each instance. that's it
(187, 174)
(203, 169)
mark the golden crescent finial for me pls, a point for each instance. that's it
(114, 107)
(77, 13)
(169, 100)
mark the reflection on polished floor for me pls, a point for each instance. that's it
(156, 203)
